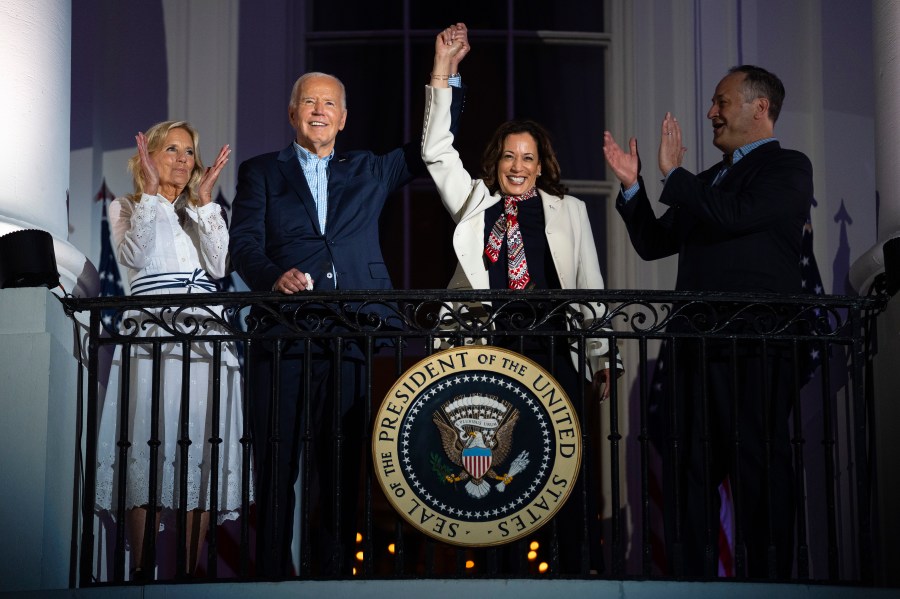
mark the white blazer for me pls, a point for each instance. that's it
(567, 228)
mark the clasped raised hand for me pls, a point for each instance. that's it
(450, 46)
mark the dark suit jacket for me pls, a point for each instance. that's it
(275, 228)
(744, 234)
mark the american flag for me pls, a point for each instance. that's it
(110, 280)
(810, 282)
(810, 279)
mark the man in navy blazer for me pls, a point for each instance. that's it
(736, 227)
(307, 218)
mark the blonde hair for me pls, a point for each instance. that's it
(156, 137)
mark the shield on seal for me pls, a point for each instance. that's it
(476, 461)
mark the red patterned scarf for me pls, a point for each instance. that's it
(507, 226)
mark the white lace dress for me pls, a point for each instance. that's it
(169, 249)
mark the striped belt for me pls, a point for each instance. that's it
(189, 281)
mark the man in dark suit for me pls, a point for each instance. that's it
(736, 227)
(303, 218)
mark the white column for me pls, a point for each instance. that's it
(37, 442)
(886, 28)
(35, 76)
(885, 32)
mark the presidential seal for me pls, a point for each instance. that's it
(476, 446)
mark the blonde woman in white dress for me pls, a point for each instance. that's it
(172, 239)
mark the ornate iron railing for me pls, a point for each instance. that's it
(831, 434)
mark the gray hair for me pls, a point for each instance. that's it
(306, 76)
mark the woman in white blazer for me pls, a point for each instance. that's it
(519, 163)
(517, 229)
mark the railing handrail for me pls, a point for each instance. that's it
(613, 295)
(618, 313)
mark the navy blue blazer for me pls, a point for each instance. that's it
(744, 234)
(274, 225)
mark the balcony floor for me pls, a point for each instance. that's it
(453, 589)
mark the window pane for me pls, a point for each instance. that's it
(374, 81)
(565, 15)
(476, 14)
(562, 87)
(356, 15)
(430, 252)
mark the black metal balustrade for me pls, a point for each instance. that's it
(831, 434)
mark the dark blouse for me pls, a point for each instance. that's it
(537, 252)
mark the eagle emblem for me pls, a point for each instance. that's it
(476, 434)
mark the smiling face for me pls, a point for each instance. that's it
(737, 122)
(317, 113)
(519, 165)
(174, 161)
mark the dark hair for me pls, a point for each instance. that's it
(760, 83)
(549, 179)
